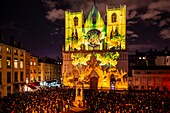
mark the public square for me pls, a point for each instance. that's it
(56, 100)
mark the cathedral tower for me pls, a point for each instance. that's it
(95, 50)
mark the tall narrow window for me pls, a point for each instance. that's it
(0, 62)
(8, 62)
(16, 77)
(114, 17)
(8, 50)
(8, 77)
(15, 63)
(21, 53)
(22, 76)
(21, 63)
(15, 52)
(0, 77)
(75, 21)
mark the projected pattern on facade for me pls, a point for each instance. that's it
(85, 41)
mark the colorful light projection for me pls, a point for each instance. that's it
(102, 65)
(94, 33)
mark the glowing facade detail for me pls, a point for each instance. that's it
(95, 50)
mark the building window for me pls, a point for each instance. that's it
(39, 78)
(31, 63)
(22, 76)
(136, 87)
(21, 63)
(0, 77)
(8, 62)
(15, 52)
(16, 77)
(34, 63)
(8, 50)
(21, 53)
(0, 62)
(142, 87)
(8, 77)
(138, 72)
(15, 63)
(8, 90)
(34, 71)
(75, 21)
(114, 16)
(0, 48)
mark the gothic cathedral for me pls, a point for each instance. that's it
(95, 51)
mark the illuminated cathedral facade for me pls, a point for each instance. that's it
(95, 51)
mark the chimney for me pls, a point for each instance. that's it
(20, 44)
(12, 41)
(1, 36)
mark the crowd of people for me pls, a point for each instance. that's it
(56, 100)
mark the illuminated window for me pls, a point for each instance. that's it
(140, 58)
(144, 57)
(8, 50)
(21, 63)
(0, 62)
(34, 63)
(75, 21)
(114, 16)
(8, 62)
(15, 63)
(31, 63)
(15, 52)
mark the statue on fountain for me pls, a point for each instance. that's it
(79, 95)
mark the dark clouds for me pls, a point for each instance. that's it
(147, 20)
(40, 23)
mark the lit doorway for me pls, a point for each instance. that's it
(93, 82)
(112, 82)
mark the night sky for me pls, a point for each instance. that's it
(39, 24)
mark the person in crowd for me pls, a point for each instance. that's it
(56, 100)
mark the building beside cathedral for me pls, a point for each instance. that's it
(95, 49)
